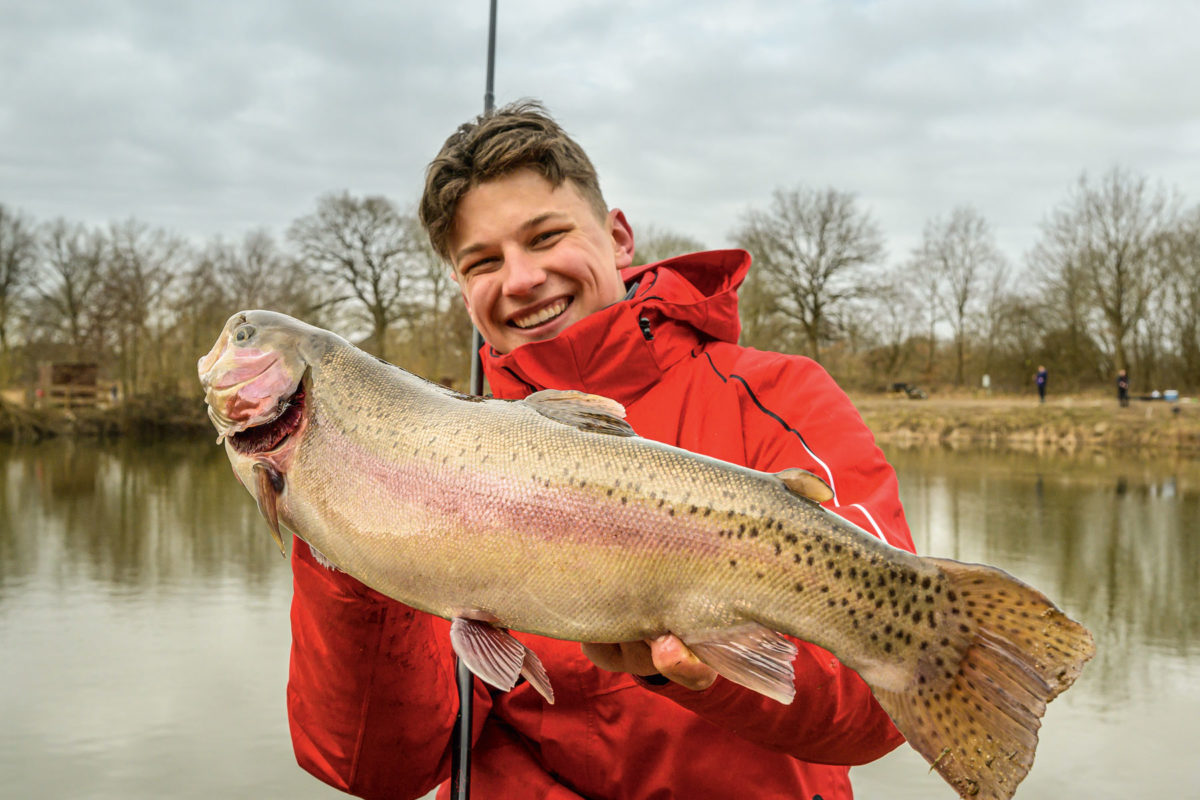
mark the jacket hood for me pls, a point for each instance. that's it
(622, 350)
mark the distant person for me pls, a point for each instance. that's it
(1041, 377)
(1123, 389)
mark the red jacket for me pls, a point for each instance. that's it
(371, 697)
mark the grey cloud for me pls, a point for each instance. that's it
(219, 117)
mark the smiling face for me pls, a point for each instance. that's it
(531, 258)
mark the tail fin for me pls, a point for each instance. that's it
(974, 707)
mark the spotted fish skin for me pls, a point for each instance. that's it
(550, 516)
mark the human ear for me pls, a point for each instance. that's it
(622, 237)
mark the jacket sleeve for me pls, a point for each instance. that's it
(371, 691)
(796, 416)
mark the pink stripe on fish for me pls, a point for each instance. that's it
(485, 502)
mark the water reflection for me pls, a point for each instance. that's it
(144, 633)
(1115, 543)
(143, 627)
(132, 517)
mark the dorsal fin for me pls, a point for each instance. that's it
(588, 412)
(805, 484)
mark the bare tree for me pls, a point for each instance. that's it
(1023, 340)
(656, 244)
(69, 284)
(1062, 313)
(995, 315)
(762, 324)
(18, 253)
(926, 287)
(1105, 236)
(814, 246)
(960, 249)
(893, 310)
(364, 249)
(202, 301)
(257, 273)
(1182, 286)
(141, 266)
(438, 330)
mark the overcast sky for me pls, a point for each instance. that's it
(218, 117)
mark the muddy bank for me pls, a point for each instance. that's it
(1068, 424)
(1065, 424)
(148, 416)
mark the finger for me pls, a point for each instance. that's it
(675, 661)
(631, 657)
(604, 656)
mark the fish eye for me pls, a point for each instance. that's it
(243, 333)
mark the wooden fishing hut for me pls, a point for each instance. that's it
(69, 385)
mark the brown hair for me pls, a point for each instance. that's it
(521, 135)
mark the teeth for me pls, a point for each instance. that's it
(546, 314)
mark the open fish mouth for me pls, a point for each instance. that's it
(269, 436)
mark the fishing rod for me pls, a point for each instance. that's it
(460, 758)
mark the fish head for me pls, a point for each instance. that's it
(254, 382)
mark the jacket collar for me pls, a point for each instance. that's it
(624, 349)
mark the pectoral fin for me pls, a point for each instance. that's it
(267, 486)
(750, 655)
(497, 657)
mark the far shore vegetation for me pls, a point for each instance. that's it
(1066, 424)
(1112, 282)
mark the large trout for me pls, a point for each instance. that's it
(550, 515)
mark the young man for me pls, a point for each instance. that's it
(514, 206)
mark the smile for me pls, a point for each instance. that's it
(543, 315)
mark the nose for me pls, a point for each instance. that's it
(522, 273)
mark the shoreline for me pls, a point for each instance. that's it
(1066, 424)
(160, 417)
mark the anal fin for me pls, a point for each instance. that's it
(497, 657)
(750, 655)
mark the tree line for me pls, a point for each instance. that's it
(1112, 282)
(145, 303)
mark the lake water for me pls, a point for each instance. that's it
(144, 629)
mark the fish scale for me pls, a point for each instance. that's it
(550, 516)
(704, 546)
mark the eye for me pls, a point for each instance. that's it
(547, 236)
(475, 266)
(243, 334)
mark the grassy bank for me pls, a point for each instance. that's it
(1070, 424)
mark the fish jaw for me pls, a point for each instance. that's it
(256, 386)
(249, 380)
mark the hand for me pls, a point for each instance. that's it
(666, 656)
